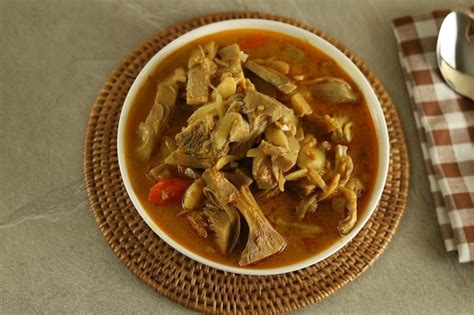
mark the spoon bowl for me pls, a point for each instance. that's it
(455, 53)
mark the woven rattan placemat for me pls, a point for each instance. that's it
(186, 281)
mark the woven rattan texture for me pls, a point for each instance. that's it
(186, 281)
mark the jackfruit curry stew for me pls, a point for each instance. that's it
(251, 148)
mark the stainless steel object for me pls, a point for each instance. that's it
(455, 53)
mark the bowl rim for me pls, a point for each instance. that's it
(318, 42)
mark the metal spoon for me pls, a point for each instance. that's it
(455, 53)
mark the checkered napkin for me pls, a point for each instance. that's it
(445, 122)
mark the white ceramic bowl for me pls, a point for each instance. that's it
(327, 48)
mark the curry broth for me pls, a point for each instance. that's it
(363, 150)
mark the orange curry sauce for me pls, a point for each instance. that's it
(363, 150)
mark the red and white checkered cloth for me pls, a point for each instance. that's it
(445, 122)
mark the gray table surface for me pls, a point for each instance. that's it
(54, 57)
